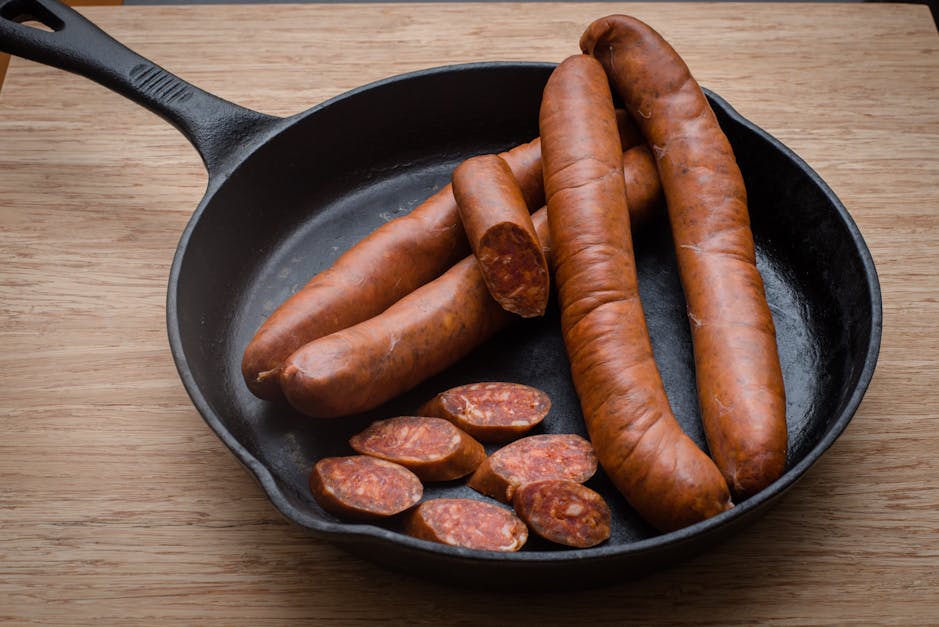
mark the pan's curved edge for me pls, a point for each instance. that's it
(346, 533)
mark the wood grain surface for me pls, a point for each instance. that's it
(118, 505)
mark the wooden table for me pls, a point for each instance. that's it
(118, 504)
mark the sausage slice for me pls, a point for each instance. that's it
(359, 487)
(432, 448)
(491, 411)
(467, 523)
(564, 512)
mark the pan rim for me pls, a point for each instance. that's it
(341, 532)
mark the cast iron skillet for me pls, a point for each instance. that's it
(285, 197)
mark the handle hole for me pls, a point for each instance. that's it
(32, 14)
(37, 25)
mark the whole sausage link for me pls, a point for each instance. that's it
(740, 385)
(642, 448)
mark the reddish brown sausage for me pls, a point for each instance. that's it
(554, 456)
(467, 523)
(359, 487)
(501, 235)
(739, 379)
(360, 367)
(642, 448)
(363, 366)
(564, 512)
(391, 262)
(643, 190)
(492, 411)
(432, 448)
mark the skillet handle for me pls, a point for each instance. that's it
(218, 129)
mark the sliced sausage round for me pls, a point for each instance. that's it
(564, 512)
(467, 523)
(491, 411)
(431, 448)
(359, 487)
(554, 456)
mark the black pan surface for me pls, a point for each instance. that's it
(287, 197)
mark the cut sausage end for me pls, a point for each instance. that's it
(496, 219)
(515, 270)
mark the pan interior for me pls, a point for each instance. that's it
(343, 169)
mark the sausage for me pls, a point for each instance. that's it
(501, 235)
(491, 411)
(651, 461)
(740, 384)
(359, 487)
(393, 261)
(362, 366)
(431, 448)
(643, 190)
(563, 512)
(551, 456)
(467, 523)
